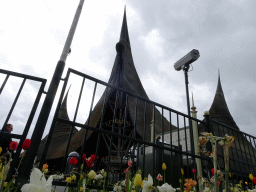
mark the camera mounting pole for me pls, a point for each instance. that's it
(184, 64)
(185, 69)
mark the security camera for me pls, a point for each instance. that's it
(187, 59)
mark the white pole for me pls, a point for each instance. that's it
(71, 33)
(196, 140)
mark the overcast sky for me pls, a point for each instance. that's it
(33, 33)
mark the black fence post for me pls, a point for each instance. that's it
(40, 126)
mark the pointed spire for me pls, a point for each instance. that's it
(124, 31)
(219, 88)
(193, 105)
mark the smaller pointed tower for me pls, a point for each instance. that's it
(219, 109)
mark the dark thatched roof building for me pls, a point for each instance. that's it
(242, 152)
(124, 76)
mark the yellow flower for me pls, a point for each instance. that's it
(1, 149)
(141, 183)
(91, 174)
(182, 171)
(73, 177)
(137, 180)
(251, 176)
(164, 166)
(46, 171)
(246, 183)
(81, 189)
(68, 179)
(5, 183)
(45, 166)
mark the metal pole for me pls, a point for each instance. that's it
(47, 105)
(185, 69)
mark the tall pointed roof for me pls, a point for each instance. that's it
(219, 110)
(125, 76)
(124, 31)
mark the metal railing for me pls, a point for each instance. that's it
(148, 133)
(242, 151)
(22, 137)
(139, 111)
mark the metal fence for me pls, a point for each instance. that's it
(135, 128)
(23, 78)
(242, 151)
(149, 146)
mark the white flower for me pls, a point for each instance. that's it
(38, 182)
(117, 188)
(206, 189)
(251, 190)
(123, 183)
(102, 171)
(98, 177)
(166, 188)
(147, 184)
(58, 177)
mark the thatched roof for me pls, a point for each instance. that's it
(60, 133)
(219, 110)
(241, 148)
(125, 76)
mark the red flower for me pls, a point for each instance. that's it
(92, 158)
(212, 170)
(84, 157)
(13, 145)
(194, 171)
(73, 161)
(159, 177)
(126, 170)
(89, 163)
(26, 144)
(254, 180)
(130, 163)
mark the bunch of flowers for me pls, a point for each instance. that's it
(136, 184)
(89, 161)
(85, 177)
(5, 165)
